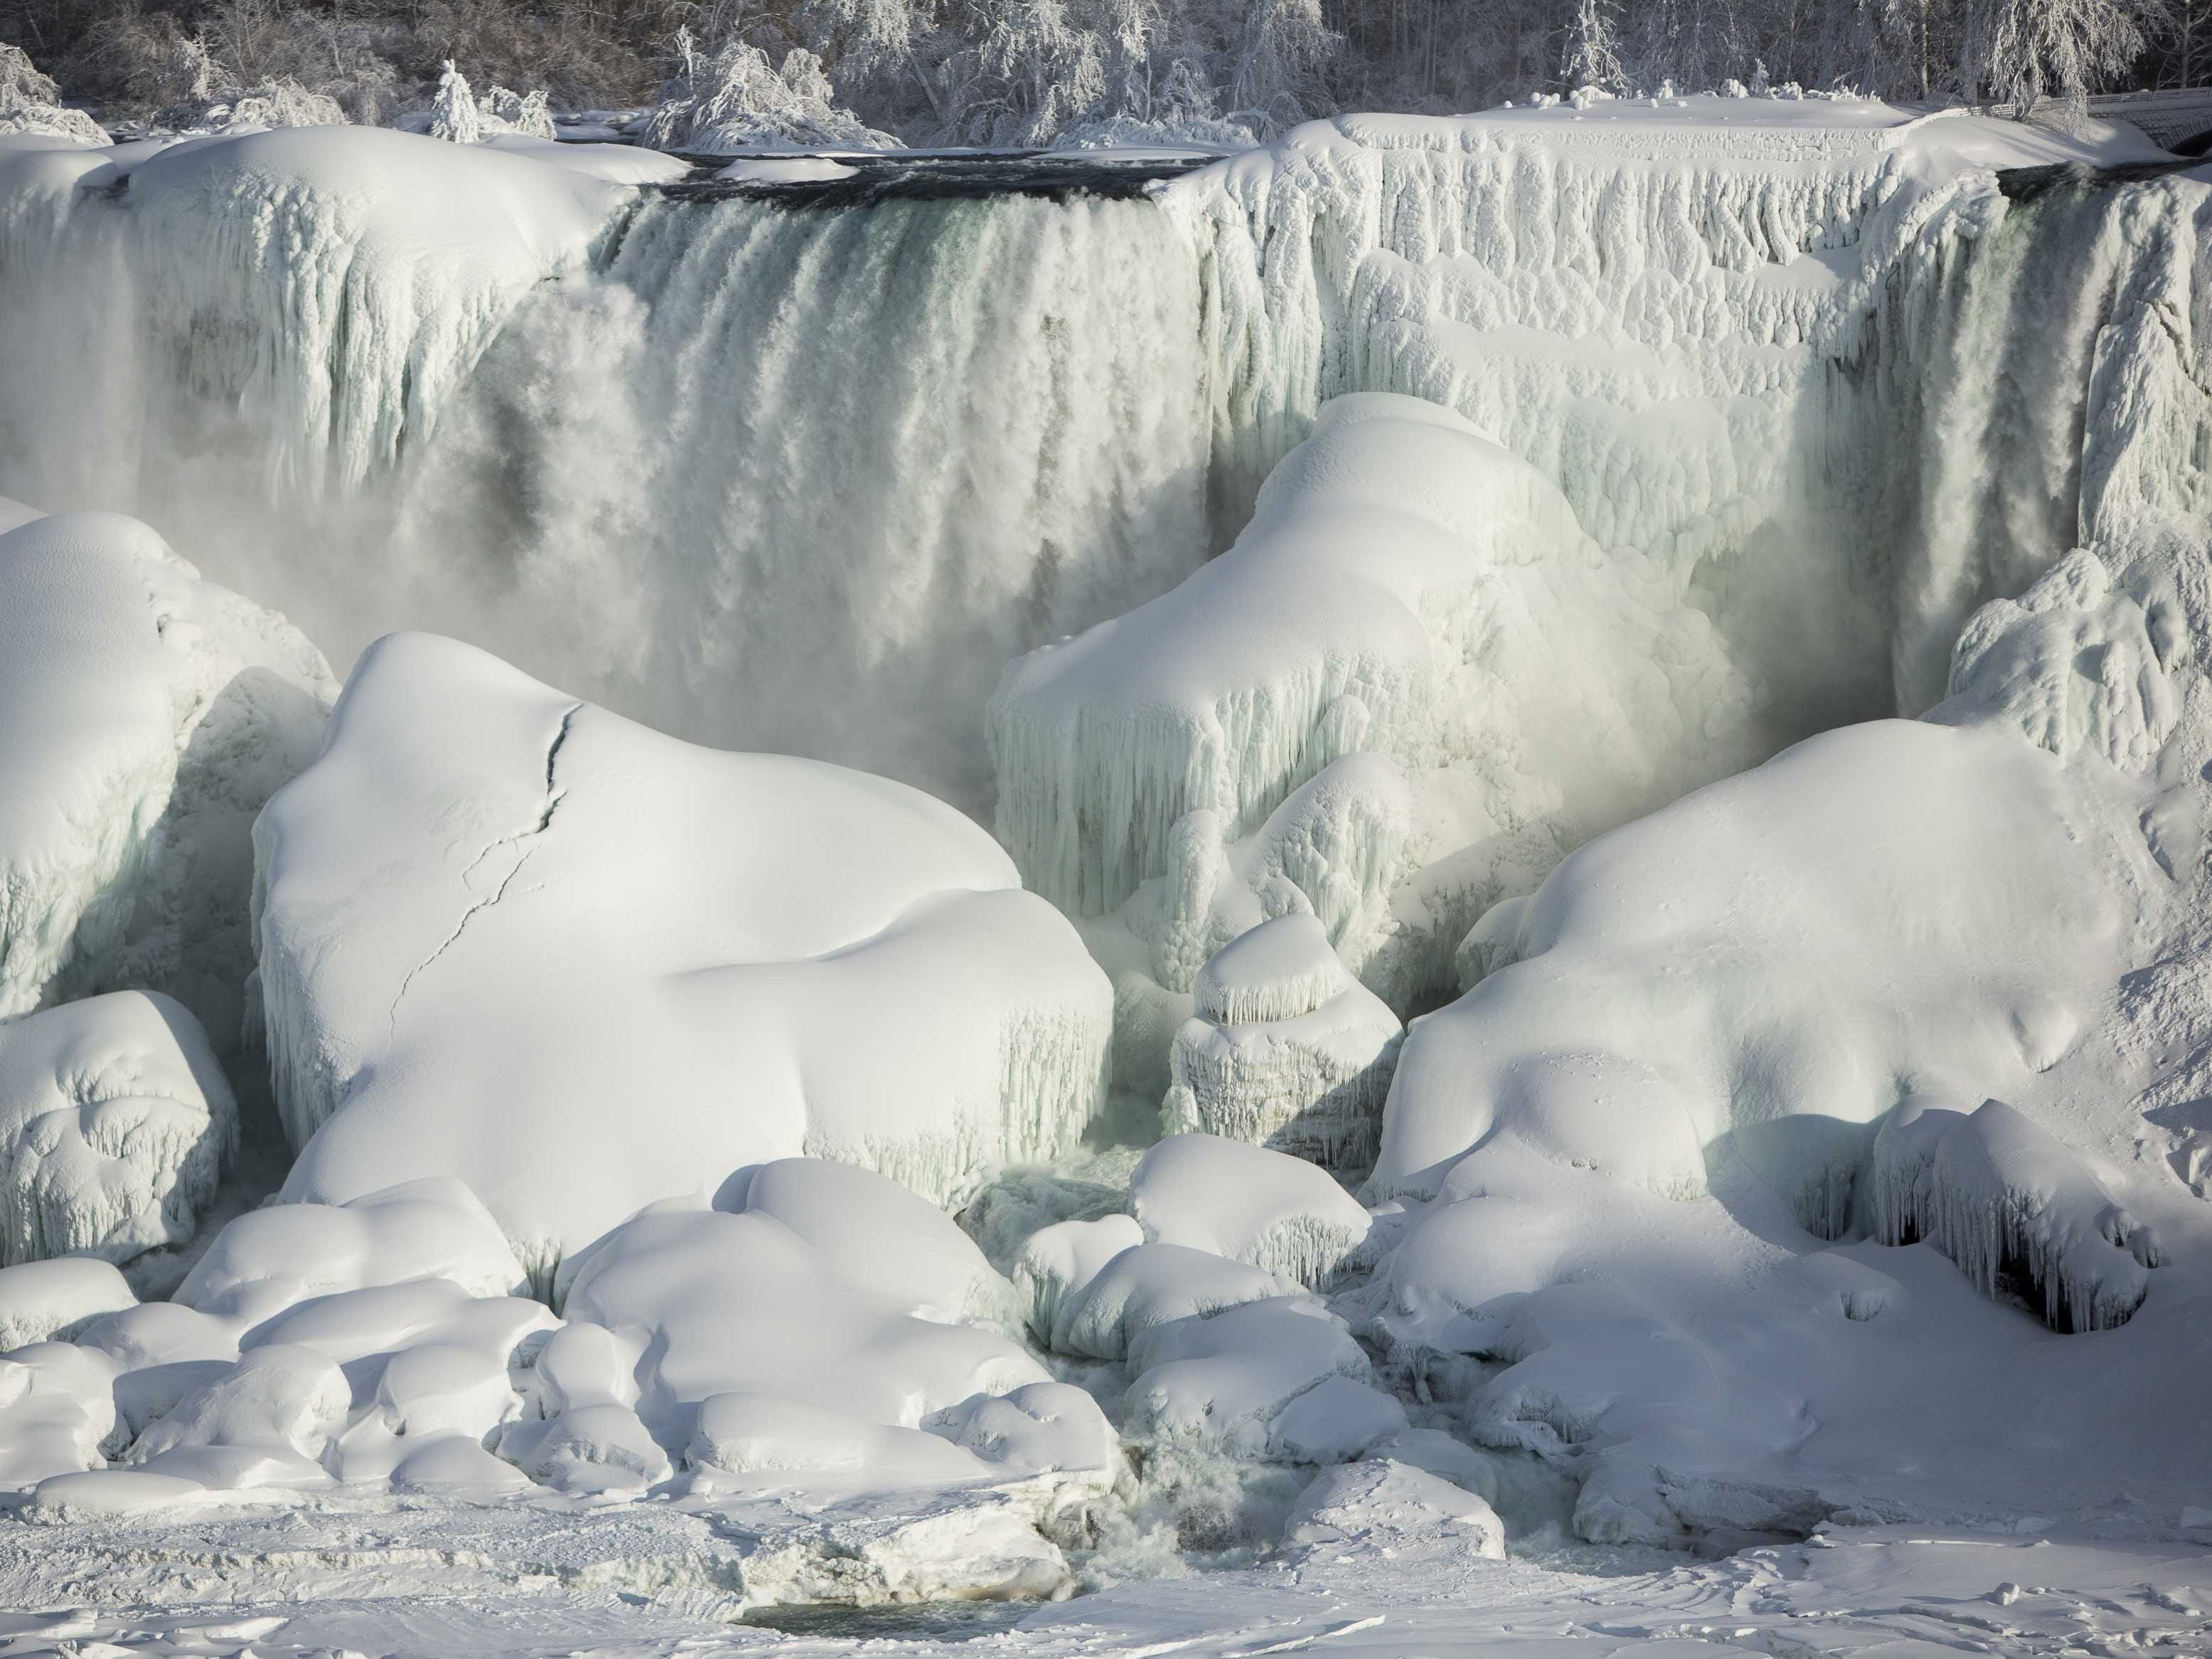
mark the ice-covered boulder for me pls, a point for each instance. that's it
(1223, 1382)
(116, 1121)
(50, 1301)
(1353, 712)
(876, 1236)
(145, 715)
(1150, 1285)
(1731, 972)
(1046, 1427)
(762, 1439)
(488, 892)
(267, 1420)
(1280, 1214)
(268, 1259)
(1057, 1262)
(702, 1303)
(1285, 1049)
(56, 1410)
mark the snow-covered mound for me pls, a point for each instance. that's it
(115, 1124)
(145, 715)
(486, 891)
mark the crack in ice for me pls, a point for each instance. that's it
(553, 799)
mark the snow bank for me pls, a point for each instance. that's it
(145, 715)
(116, 1122)
(486, 889)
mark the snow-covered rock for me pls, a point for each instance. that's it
(1287, 1049)
(116, 1121)
(1682, 984)
(1280, 1214)
(270, 1258)
(1057, 1262)
(1224, 1381)
(145, 715)
(56, 1409)
(487, 892)
(52, 1301)
(1151, 1285)
(878, 1237)
(713, 1303)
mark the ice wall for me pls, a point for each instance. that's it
(761, 475)
(1783, 375)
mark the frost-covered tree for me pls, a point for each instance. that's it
(2016, 52)
(453, 115)
(1284, 54)
(1591, 57)
(735, 98)
(31, 102)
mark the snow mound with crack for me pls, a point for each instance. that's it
(581, 966)
(145, 715)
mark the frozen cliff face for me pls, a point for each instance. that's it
(486, 891)
(388, 383)
(1353, 712)
(116, 1122)
(145, 715)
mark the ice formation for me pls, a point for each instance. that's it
(1619, 448)
(116, 1122)
(488, 891)
(1992, 1187)
(145, 715)
(1286, 1050)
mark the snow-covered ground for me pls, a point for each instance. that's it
(1605, 1046)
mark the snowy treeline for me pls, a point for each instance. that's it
(1007, 72)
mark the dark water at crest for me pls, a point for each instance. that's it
(1052, 175)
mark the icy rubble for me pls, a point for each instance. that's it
(116, 1122)
(1382, 1508)
(145, 715)
(543, 908)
